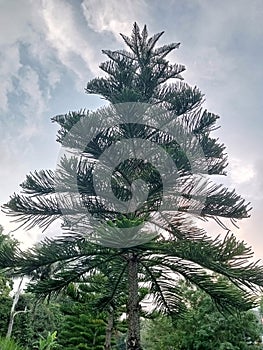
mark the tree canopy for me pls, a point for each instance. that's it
(203, 327)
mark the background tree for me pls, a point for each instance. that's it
(6, 303)
(6, 281)
(96, 291)
(179, 249)
(9, 244)
(40, 319)
(203, 327)
(82, 329)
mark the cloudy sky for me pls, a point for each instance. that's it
(49, 49)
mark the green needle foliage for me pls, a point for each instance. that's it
(176, 248)
(82, 329)
(203, 327)
(86, 315)
(38, 323)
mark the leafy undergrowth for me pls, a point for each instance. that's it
(9, 344)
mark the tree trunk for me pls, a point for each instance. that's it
(109, 330)
(133, 307)
(12, 312)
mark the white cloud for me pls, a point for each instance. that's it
(34, 99)
(13, 32)
(39, 37)
(113, 15)
(56, 42)
(73, 49)
(9, 68)
(14, 21)
(26, 238)
(241, 171)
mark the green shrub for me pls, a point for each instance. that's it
(49, 342)
(9, 344)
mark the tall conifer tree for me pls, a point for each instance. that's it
(163, 244)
